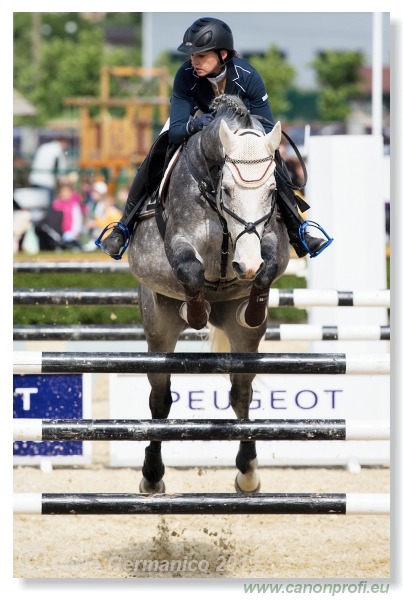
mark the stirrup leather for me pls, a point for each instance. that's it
(124, 229)
(302, 229)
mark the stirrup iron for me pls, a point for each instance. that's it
(124, 229)
(302, 228)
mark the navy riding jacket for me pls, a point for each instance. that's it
(192, 93)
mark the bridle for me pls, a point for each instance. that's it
(212, 192)
(249, 227)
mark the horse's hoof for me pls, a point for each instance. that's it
(248, 483)
(147, 488)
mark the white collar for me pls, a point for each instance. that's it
(216, 80)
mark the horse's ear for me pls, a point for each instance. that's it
(274, 138)
(226, 137)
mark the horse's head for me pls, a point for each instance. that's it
(246, 198)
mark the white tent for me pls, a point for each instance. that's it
(21, 106)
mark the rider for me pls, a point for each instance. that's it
(213, 68)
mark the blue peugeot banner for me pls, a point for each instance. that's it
(51, 397)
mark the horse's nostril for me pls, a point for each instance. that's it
(245, 273)
(259, 269)
(237, 268)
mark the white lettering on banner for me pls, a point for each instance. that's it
(52, 396)
(274, 397)
(26, 396)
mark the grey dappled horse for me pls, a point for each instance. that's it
(223, 247)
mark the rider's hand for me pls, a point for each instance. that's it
(197, 124)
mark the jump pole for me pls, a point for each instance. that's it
(200, 363)
(297, 298)
(206, 430)
(279, 333)
(201, 504)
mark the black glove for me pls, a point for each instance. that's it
(197, 124)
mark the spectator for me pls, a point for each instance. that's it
(93, 195)
(20, 172)
(106, 212)
(68, 202)
(63, 223)
(295, 170)
(49, 163)
(22, 221)
(97, 191)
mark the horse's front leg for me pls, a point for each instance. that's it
(241, 340)
(160, 402)
(190, 272)
(253, 312)
(245, 340)
(247, 478)
(162, 326)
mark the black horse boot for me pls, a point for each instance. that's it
(117, 241)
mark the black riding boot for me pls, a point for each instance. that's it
(146, 182)
(114, 244)
(288, 205)
(293, 221)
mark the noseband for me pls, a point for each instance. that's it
(249, 227)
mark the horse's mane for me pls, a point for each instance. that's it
(232, 108)
(234, 112)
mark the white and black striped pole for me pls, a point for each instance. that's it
(200, 363)
(187, 504)
(206, 430)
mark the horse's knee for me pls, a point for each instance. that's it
(270, 270)
(190, 273)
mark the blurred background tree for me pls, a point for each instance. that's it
(338, 77)
(278, 76)
(57, 55)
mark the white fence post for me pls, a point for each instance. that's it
(347, 191)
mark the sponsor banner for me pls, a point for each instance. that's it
(52, 397)
(350, 397)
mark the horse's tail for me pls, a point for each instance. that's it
(218, 340)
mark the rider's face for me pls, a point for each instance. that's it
(206, 63)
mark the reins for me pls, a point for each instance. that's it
(279, 162)
(290, 199)
(209, 192)
(208, 189)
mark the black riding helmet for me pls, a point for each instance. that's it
(206, 34)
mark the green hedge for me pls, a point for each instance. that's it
(102, 315)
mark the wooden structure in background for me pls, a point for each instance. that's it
(116, 142)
